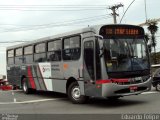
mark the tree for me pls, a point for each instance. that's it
(147, 38)
(153, 28)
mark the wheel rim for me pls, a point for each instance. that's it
(158, 86)
(76, 92)
(24, 86)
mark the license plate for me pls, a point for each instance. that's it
(133, 88)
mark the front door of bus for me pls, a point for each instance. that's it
(89, 72)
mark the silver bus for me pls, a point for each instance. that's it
(107, 61)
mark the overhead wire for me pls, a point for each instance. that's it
(57, 24)
(52, 7)
(77, 21)
(127, 10)
(57, 6)
(53, 10)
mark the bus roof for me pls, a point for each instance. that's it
(94, 29)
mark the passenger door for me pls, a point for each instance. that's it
(89, 72)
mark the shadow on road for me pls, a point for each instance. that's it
(50, 94)
(45, 94)
(97, 102)
(106, 103)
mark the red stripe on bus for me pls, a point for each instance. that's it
(111, 81)
(103, 81)
(30, 76)
(120, 80)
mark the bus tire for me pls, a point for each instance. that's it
(25, 87)
(74, 94)
(158, 86)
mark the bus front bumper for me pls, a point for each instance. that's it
(113, 89)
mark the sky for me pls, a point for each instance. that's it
(27, 20)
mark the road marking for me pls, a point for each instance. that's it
(30, 101)
(150, 92)
(14, 100)
(16, 90)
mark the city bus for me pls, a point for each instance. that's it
(104, 61)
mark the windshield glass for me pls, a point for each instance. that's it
(125, 55)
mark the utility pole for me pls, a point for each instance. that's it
(114, 14)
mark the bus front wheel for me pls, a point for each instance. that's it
(158, 86)
(74, 94)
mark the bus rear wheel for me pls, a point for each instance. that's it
(74, 94)
(25, 87)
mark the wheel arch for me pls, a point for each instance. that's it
(80, 83)
(69, 81)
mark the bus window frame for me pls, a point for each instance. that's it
(80, 47)
(13, 57)
(19, 54)
(36, 53)
(53, 41)
(50, 51)
(28, 53)
(13, 53)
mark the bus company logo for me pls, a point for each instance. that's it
(45, 69)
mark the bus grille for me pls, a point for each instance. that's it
(129, 83)
(133, 81)
(127, 90)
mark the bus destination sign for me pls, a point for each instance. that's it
(121, 31)
(124, 31)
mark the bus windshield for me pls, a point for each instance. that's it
(125, 55)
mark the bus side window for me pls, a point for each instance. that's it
(10, 57)
(54, 50)
(28, 54)
(40, 52)
(72, 48)
(19, 56)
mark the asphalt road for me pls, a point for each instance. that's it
(17, 102)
